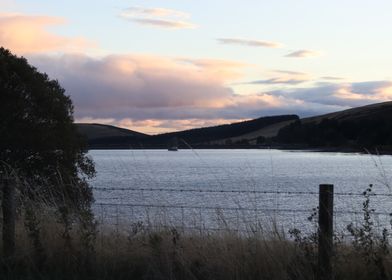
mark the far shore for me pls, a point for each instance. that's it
(294, 148)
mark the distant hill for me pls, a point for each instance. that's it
(105, 136)
(108, 136)
(258, 136)
(358, 128)
(94, 131)
(378, 111)
(222, 134)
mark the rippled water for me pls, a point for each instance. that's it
(234, 187)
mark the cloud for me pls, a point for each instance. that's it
(341, 94)
(28, 34)
(157, 17)
(6, 3)
(373, 88)
(137, 86)
(296, 73)
(153, 12)
(250, 43)
(163, 23)
(283, 77)
(224, 69)
(303, 54)
(154, 126)
(331, 78)
(157, 94)
(279, 80)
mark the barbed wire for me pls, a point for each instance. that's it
(162, 206)
(191, 228)
(203, 229)
(236, 191)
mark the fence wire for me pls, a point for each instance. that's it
(238, 218)
(236, 190)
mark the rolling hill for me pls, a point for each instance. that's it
(224, 134)
(378, 111)
(104, 136)
(95, 131)
(357, 128)
(108, 136)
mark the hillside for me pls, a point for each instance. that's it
(108, 136)
(105, 136)
(220, 135)
(369, 112)
(358, 128)
(94, 131)
(257, 136)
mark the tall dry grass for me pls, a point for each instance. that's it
(140, 252)
(55, 241)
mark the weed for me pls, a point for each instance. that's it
(370, 245)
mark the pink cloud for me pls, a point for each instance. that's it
(123, 84)
(157, 17)
(28, 34)
(156, 94)
(282, 77)
(250, 43)
(164, 23)
(156, 126)
(303, 54)
(153, 12)
(223, 70)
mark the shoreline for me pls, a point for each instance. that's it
(294, 148)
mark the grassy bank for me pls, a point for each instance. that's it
(53, 245)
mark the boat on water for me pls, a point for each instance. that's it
(173, 145)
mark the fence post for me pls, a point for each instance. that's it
(325, 234)
(9, 213)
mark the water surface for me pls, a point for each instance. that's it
(210, 187)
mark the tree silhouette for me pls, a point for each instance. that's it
(37, 136)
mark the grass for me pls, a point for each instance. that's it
(51, 247)
(58, 243)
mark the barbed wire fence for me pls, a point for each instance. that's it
(209, 217)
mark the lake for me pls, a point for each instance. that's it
(211, 189)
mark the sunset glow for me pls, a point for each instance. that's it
(162, 66)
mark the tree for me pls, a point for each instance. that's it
(37, 136)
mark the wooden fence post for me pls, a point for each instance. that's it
(325, 234)
(9, 214)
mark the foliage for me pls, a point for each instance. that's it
(203, 135)
(38, 138)
(370, 245)
(53, 247)
(364, 133)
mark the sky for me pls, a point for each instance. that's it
(157, 66)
